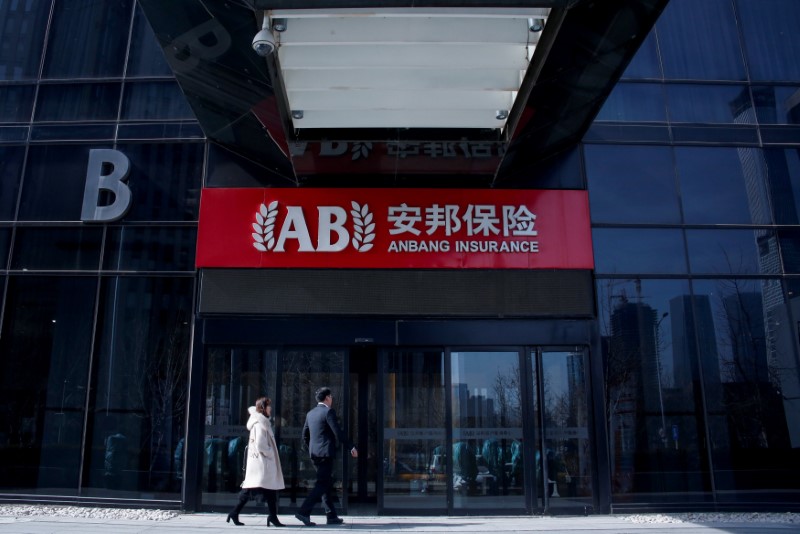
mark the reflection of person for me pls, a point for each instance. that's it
(115, 460)
(321, 434)
(263, 475)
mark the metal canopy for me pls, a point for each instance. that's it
(404, 67)
(376, 78)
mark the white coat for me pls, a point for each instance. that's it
(263, 464)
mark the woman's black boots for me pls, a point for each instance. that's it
(272, 505)
(234, 515)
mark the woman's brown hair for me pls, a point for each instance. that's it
(261, 404)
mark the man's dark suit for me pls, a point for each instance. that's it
(321, 434)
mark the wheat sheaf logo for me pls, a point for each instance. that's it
(364, 227)
(264, 226)
(361, 239)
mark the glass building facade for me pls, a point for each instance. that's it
(678, 387)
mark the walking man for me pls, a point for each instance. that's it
(322, 434)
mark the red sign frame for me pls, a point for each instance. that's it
(394, 228)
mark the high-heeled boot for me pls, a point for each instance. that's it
(234, 515)
(272, 505)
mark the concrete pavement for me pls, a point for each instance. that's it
(205, 523)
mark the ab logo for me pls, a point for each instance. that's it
(332, 232)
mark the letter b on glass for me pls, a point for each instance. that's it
(117, 165)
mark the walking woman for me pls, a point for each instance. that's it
(263, 475)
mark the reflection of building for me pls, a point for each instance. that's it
(692, 339)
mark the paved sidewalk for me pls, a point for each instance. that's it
(215, 523)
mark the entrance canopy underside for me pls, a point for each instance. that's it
(524, 79)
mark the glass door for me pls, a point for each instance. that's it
(414, 445)
(567, 460)
(488, 462)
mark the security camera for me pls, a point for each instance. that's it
(264, 43)
(535, 25)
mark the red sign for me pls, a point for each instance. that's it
(395, 228)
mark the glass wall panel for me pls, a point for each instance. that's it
(777, 104)
(783, 170)
(16, 103)
(710, 104)
(88, 39)
(23, 24)
(645, 64)
(54, 181)
(57, 249)
(568, 448)
(635, 102)
(145, 57)
(639, 250)
(771, 40)
(235, 379)
(302, 373)
(5, 242)
(414, 466)
(617, 176)
(790, 250)
(10, 173)
(699, 40)
(150, 248)
(74, 102)
(487, 454)
(732, 252)
(722, 185)
(137, 410)
(652, 390)
(155, 100)
(750, 374)
(165, 181)
(46, 342)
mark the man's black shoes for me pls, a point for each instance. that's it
(305, 519)
(335, 520)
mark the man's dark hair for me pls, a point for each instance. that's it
(322, 393)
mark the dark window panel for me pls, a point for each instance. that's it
(771, 39)
(45, 343)
(562, 171)
(699, 40)
(54, 182)
(165, 180)
(16, 102)
(13, 134)
(5, 242)
(137, 412)
(650, 364)
(227, 169)
(57, 249)
(777, 104)
(627, 133)
(747, 339)
(645, 64)
(76, 102)
(637, 250)
(722, 185)
(710, 104)
(790, 250)
(635, 102)
(10, 173)
(783, 171)
(631, 184)
(73, 132)
(155, 100)
(22, 31)
(88, 39)
(172, 130)
(780, 135)
(146, 57)
(715, 135)
(150, 248)
(733, 252)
